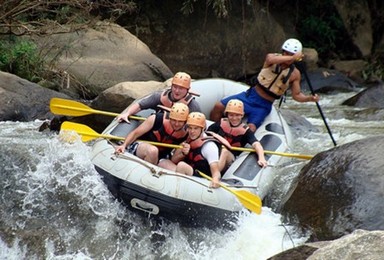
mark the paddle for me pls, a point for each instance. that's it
(227, 145)
(294, 155)
(248, 199)
(88, 134)
(73, 108)
(304, 71)
(67, 107)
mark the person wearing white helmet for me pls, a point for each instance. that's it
(179, 92)
(276, 76)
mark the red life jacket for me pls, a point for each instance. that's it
(195, 158)
(166, 134)
(233, 134)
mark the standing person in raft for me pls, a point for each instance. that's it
(197, 153)
(159, 127)
(277, 75)
(237, 134)
(179, 92)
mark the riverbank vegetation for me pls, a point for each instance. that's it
(318, 25)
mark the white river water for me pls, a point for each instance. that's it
(54, 205)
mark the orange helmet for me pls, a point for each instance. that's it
(182, 79)
(235, 106)
(196, 119)
(179, 112)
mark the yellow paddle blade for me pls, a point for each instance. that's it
(59, 106)
(86, 133)
(73, 108)
(293, 155)
(249, 200)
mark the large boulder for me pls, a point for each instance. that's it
(22, 100)
(340, 190)
(361, 244)
(356, 16)
(118, 97)
(327, 81)
(100, 57)
(205, 45)
(369, 98)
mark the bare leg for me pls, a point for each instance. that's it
(167, 164)
(184, 168)
(217, 112)
(226, 159)
(148, 152)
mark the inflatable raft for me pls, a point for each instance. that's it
(187, 199)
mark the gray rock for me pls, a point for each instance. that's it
(22, 100)
(340, 190)
(101, 57)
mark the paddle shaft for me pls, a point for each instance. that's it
(304, 71)
(88, 134)
(251, 150)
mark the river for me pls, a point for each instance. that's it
(54, 205)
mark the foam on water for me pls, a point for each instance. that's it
(64, 211)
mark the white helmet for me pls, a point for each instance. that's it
(292, 46)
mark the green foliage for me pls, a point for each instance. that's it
(21, 58)
(321, 27)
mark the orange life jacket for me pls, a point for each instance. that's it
(233, 134)
(166, 134)
(165, 101)
(195, 158)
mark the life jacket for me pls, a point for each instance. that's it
(166, 101)
(195, 158)
(165, 133)
(274, 80)
(233, 134)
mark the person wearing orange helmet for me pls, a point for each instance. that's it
(198, 153)
(179, 92)
(237, 134)
(160, 127)
(277, 75)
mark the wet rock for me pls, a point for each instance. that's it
(328, 81)
(53, 125)
(371, 98)
(22, 100)
(361, 244)
(340, 190)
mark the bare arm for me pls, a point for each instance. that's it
(139, 131)
(133, 109)
(296, 89)
(260, 154)
(216, 175)
(274, 58)
(180, 153)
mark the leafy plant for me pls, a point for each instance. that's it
(22, 58)
(320, 27)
